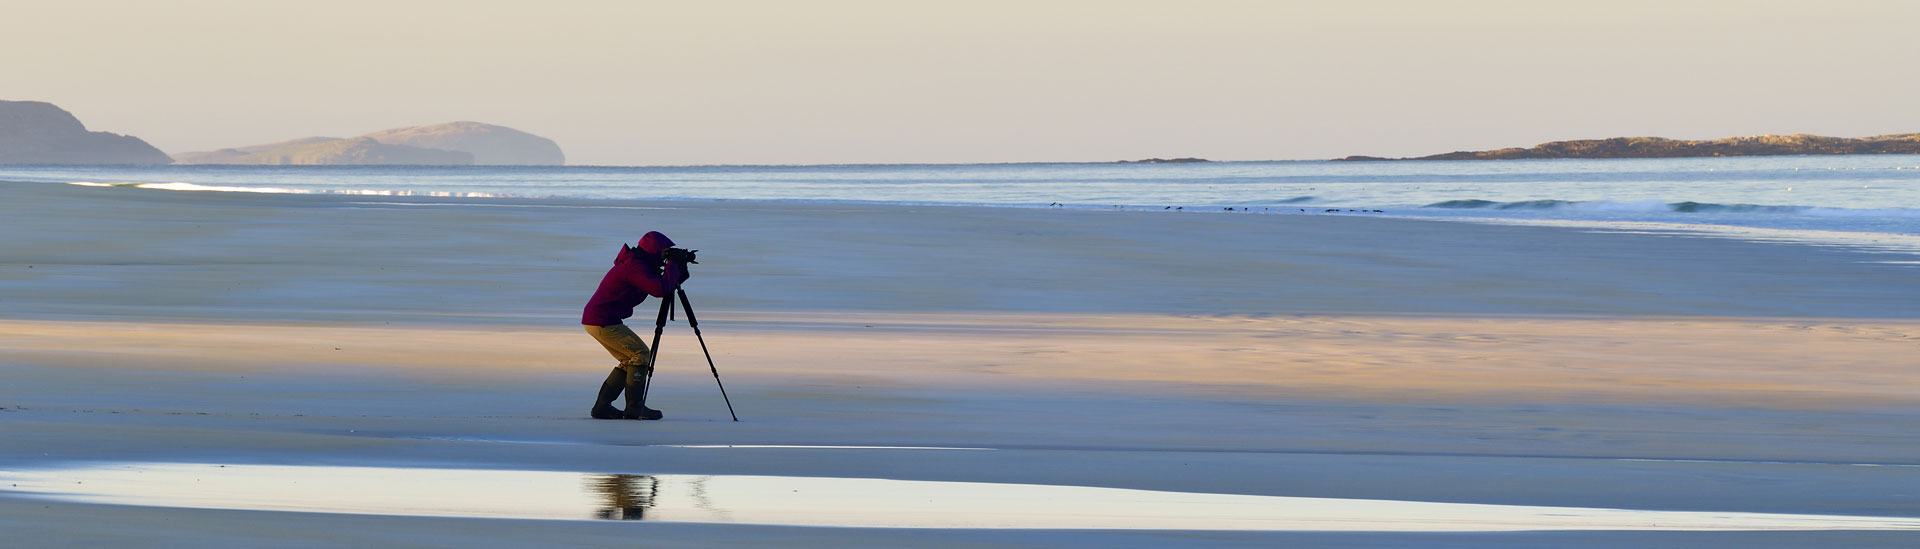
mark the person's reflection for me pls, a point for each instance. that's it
(624, 497)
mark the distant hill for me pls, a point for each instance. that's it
(358, 151)
(489, 144)
(35, 132)
(470, 143)
(1657, 147)
(239, 155)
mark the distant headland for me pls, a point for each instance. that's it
(1658, 147)
(36, 132)
(449, 144)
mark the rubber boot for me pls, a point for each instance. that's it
(609, 390)
(637, 399)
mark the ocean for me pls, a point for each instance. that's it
(1868, 201)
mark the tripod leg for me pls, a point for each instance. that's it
(637, 388)
(659, 326)
(695, 323)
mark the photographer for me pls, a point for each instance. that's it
(654, 268)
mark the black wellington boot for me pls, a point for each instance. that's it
(609, 390)
(637, 400)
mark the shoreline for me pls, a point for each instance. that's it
(1864, 239)
(100, 254)
(1141, 162)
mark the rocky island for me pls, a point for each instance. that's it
(1164, 161)
(35, 132)
(1658, 147)
(450, 144)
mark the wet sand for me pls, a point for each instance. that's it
(1311, 356)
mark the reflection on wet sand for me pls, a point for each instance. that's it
(831, 502)
(624, 497)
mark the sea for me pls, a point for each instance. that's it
(1866, 201)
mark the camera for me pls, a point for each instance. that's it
(680, 255)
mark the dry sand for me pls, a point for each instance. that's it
(1316, 356)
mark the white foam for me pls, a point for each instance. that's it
(184, 186)
(196, 187)
(178, 186)
(435, 194)
(1866, 241)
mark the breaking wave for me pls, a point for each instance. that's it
(1688, 207)
(182, 186)
(1521, 205)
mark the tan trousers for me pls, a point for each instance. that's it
(625, 346)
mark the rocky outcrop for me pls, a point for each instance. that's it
(469, 143)
(1657, 147)
(489, 144)
(358, 151)
(34, 132)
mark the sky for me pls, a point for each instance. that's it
(832, 81)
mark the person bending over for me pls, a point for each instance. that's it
(637, 272)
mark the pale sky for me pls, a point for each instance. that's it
(816, 82)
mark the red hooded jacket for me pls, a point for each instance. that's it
(636, 274)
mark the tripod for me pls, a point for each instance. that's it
(660, 325)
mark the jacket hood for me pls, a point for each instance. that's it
(649, 249)
(654, 242)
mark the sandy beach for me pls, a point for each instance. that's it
(1346, 357)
